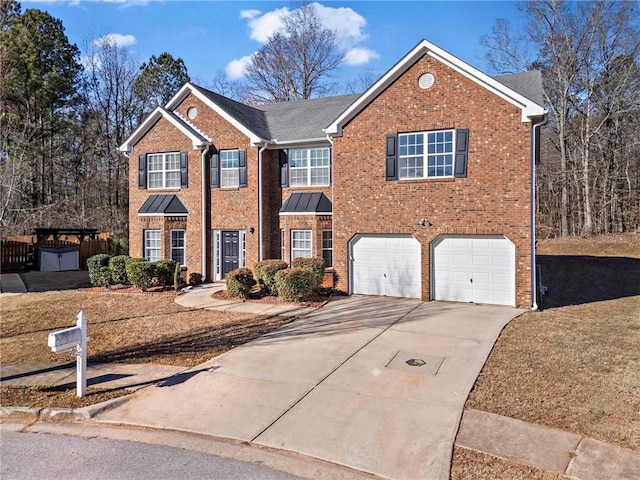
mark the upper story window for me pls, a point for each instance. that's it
(426, 154)
(309, 166)
(229, 168)
(163, 170)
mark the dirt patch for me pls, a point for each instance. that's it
(54, 397)
(470, 465)
(125, 328)
(614, 245)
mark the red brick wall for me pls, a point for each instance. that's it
(494, 198)
(164, 137)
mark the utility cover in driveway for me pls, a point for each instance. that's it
(386, 265)
(415, 363)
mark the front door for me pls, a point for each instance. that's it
(230, 252)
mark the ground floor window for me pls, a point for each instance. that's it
(300, 244)
(178, 247)
(152, 245)
(327, 248)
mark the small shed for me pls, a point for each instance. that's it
(53, 259)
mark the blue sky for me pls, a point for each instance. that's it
(214, 36)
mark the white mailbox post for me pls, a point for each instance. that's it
(74, 337)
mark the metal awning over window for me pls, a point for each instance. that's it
(308, 203)
(163, 205)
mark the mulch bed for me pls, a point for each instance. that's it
(316, 301)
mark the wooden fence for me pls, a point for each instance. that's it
(21, 253)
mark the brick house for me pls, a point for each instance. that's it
(420, 187)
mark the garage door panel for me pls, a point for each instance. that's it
(474, 269)
(386, 265)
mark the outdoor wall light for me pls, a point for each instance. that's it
(424, 223)
(251, 230)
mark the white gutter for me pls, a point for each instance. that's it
(534, 285)
(203, 210)
(262, 149)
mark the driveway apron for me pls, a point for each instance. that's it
(373, 383)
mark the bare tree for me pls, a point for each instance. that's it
(296, 62)
(110, 113)
(362, 81)
(588, 53)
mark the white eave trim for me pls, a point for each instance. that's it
(188, 88)
(197, 140)
(529, 109)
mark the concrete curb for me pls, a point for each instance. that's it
(35, 414)
(545, 448)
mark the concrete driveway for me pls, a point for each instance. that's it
(372, 383)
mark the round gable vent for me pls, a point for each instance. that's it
(192, 113)
(425, 81)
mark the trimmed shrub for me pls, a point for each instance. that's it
(239, 282)
(141, 273)
(94, 264)
(165, 270)
(314, 264)
(104, 277)
(266, 274)
(117, 266)
(195, 278)
(295, 284)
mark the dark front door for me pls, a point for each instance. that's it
(230, 252)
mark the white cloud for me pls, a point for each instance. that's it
(347, 24)
(237, 69)
(116, 39)
(359, 56)
(265, 25)
(249, 13)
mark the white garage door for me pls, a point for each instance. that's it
(386, 265)
(479, 269)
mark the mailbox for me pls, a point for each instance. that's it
(64, 339)
(70, 338)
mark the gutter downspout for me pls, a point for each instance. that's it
(260, 213)
(203, 210)
(534, 281)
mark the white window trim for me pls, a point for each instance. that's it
(230, 169)
(146, 249)
(183, 248)
(164, 171)
(327, 249)
(283, 235)
(425, 155)
(310, 249)
(309, 168)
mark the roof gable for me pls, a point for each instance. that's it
(528, 106)
(243, 117)
(197, 139)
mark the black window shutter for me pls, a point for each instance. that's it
(392, 158)
(142, 171)
(242, 163)
(284, 168)
(462, 152)
(184, 172)
(214, 170)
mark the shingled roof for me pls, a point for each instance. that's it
(304, 120)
